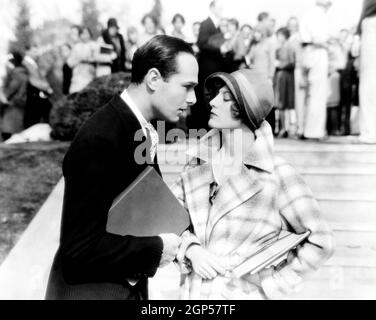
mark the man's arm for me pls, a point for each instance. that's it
(90, 254)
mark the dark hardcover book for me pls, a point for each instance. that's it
(147, 207)
(271, 254)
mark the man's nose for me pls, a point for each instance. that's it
(191, 98)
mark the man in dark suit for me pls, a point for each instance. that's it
(211, 60)
(101, 162)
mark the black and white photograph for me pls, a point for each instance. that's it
(212, 150)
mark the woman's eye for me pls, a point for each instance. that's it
(227, 97)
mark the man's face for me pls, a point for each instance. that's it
(247, 32)
(326, 4)
(196, 29)
(293, 26)
(218, 8)
(74, 35)
(173, 96)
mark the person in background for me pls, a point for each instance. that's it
(315, 35)
(262, 54)
(195, 32)
(349, 83)
(296, 43)
(113, 37)
(66, 50)
(367, 73)
(74, 35)
(15, 91)
(246, 32)
(237, 45)
(131, 46)
(337, 64)
(150, 29)
(81, 61)
(73, 39)
(38, 105)
(85, 56)
(285, 82)
(178, 23)
(210, 60)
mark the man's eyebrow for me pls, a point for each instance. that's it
(190, 83)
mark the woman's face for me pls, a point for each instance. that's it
(150, 27)
(85, 35)
(221, 114)
(257, 35)
(178, 24)
(281, 38)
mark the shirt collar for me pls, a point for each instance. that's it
(260, 154)
(136, 111)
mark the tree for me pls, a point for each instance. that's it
(23, 32)
(156, 11)
(90, 17)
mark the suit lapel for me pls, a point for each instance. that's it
(236, 190)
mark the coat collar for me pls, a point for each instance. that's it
(260, 154)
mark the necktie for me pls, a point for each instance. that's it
(154, 139)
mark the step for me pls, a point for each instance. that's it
(319, 183)
(353, 257)
(297, 153)
(326, 283)
(295, 157)
(347, 210)
(354, 239)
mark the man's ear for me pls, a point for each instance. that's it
(153, 79)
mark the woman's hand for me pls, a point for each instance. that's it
(204, 263)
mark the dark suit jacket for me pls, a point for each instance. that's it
(210, 59)
(91, 263)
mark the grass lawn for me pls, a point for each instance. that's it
(28, 173)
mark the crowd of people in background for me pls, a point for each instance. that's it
(315, 75)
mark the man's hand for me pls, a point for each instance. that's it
(205, 263)
(171, 243)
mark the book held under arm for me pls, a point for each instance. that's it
(147, 208)
(271, 253)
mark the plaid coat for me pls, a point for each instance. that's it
(250, 208)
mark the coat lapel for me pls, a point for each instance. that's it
(197, 188)
(236, 190)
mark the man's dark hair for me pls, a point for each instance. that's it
(160, 53)
(262, 16)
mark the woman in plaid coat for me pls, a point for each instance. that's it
(239, 196)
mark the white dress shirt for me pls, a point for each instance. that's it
(146, 126)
